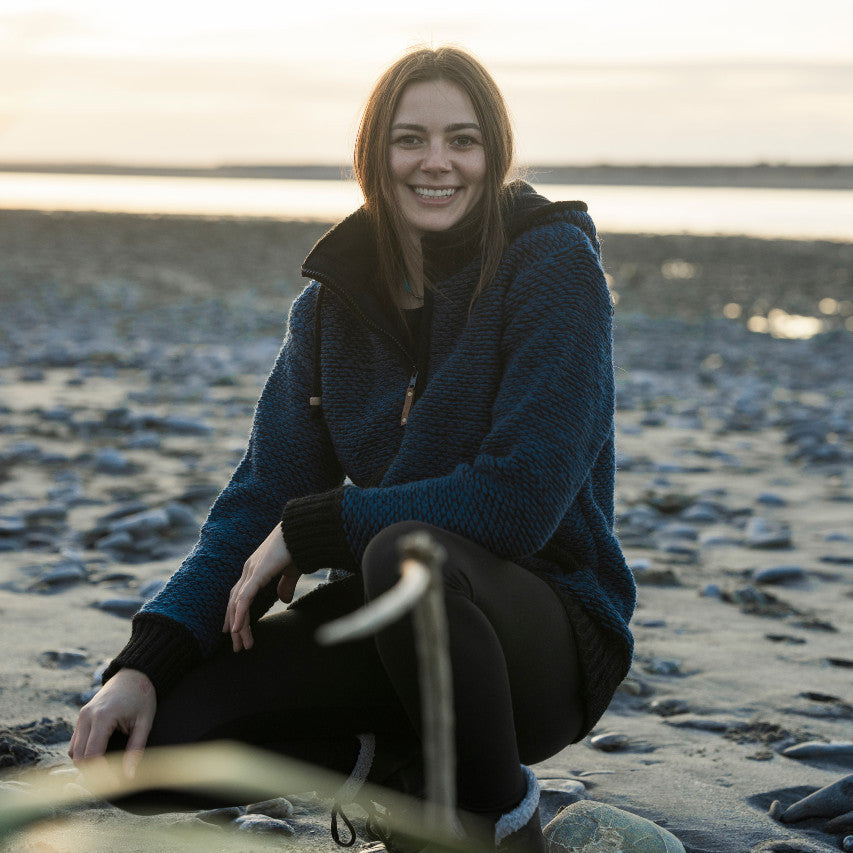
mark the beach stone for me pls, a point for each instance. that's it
(837, 559)
(830, 801)
(150, 588)
(552, 799)
(779, 575)
(204, 493)
(609, 741)
(776, 809)
(120, 541)
(185, 425)
(64, 573)
(759, 603)
(771, 499)
(62, 659)
(842, 823)
(126, 607)
(18, 743)
(263, 825)
(661, 666)
(278, 807)
(777, 845)
(761, 533)
(144, 441)
(833, 751)
(142, 523)
(790, 639)
(669, 707)
(181, 516)
(847, 843)
(591, 826)
(46, 513)
(12, 526)
(699, 723)
(701, 513)
(222, 816)
(711, 590)
(108, 460)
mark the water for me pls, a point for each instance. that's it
(798, 214)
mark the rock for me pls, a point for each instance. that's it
(771, 499)
(830, 801)
(761, 533)
(587, 825)
(759, 603)
(278, 808)
(777, 845)
(150, 588)
(62, 659)
(107, 460)
(609, 741)
(711, 590)
(181, 516)
(839, 751)
(126, 607)
(842, 823)
(669, 707)
(46, 513)
(790, 639)
(263, 825)
(222, 816)
(661, 666)
(556, 794)
(64, 573)
(12, 526)
(142, 523)
(837, 559)
(17, 743)
(698, 723)
(185, 425)
(775, 810)
(847, 843)
(779, 575)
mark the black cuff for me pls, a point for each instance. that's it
(313, 530)
(159, 647)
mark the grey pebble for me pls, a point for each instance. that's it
(278, 807)
(835, 750)
(669, 707)
(62, 574)
(12, 525)
(185, 425)
(180, 515)
(125, 607)
(771, 499)
(108, 460)
(609, 741)
(62, 659)
(148, 521)
(702, 724)
(847, 844)
(225, 815)
(263, 824)
(842, 823)
(701, 513)
(661, 666)
(144, 441)
(711, 590)
(46, 513)
(720, 540)
(762, 533)
(779, 574)
(837, 559)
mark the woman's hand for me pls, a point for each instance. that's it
(127, 702)
(270, 560)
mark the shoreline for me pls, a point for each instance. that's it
(759, 175)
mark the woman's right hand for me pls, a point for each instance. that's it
(127, 702)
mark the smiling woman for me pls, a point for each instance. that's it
(448, 370)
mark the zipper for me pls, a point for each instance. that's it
(409, 399)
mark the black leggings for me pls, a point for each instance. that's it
(515, 676)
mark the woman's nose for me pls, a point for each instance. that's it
(436, 158)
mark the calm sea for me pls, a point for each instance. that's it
(800, 214)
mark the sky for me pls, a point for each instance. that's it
(665, 81)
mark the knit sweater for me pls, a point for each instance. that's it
(509, 441)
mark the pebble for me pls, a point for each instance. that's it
(221, 816)
(126, 607)
(762, 533)
(62, 574)
(771, 499)
(278, 807)
(837, 559)
(699, 723)
(842, 823)
(150, 588)
(63, 658)
(839, 751)
(12, 525)
(830, 801)
(556, 794)
(110, 461)
(669, 707)
(661, 666)
(847, 843)
(779, 575)
(609, 741)
(263, 825)
(142, 523)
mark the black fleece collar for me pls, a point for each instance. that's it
(346, 259)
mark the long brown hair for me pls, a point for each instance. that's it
(372, 155)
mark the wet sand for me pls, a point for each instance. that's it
(132, 350)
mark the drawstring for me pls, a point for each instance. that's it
(315, 401)
(350, 788)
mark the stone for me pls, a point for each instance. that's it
(842, 823)
(126, 607)
(834, 751)
(771, 499)
(661, 666)
(669, 707)
(221, 816)
(590, 826)
(263, 825)
(762, 533)
(847, 843)
(278, 807)
(779, 575)
(142, 523)
(62, 659)
(64, 573)
(12, 525)
(830, 801)
(609, 741)
(150, 588)
(110, 461)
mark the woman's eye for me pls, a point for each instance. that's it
(407, 140)
(464, 141)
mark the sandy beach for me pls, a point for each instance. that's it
(133, 348)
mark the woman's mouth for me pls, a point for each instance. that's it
(434, 193)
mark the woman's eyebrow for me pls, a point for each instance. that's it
(451, 128)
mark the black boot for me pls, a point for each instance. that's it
(520, 830)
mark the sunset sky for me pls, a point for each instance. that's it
(186, 83)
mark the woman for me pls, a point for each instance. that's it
(447, 369)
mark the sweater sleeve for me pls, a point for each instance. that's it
(552, 415)
(289, 454)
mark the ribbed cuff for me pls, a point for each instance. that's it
(314, 533)
(159, 647)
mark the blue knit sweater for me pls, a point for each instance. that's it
(510, 441)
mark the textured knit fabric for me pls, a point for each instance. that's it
(509, 443)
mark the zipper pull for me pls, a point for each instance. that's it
(409, 399)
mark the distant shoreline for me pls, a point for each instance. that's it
(812, 177)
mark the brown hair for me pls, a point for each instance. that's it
(373, 143)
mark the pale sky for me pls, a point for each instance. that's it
(616, 81)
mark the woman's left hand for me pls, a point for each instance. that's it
(269, 560)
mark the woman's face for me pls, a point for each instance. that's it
(437, 161)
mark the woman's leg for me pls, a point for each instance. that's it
(287, 694)
(515, 673)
